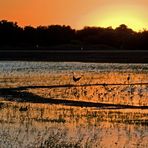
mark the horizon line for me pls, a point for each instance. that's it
(76, 28)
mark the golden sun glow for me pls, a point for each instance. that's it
(130, 20)
(114, 17)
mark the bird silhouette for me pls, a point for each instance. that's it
(128, 78)
(76, 79)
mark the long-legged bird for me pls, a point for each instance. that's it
(76, 79)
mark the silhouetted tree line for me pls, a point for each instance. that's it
(122, 37)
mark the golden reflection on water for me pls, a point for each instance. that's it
(84, 126)
(133, 91)
(47, 125)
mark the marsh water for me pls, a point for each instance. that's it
(42, 105)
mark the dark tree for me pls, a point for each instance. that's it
(14, 37)
(9, 33)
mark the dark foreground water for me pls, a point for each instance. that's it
(42, 106)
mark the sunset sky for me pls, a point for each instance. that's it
(77, 13)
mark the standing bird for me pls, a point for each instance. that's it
(76, 79)
(128, 78)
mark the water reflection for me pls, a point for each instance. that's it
(111, 88)
(58, 125)
(42, 106)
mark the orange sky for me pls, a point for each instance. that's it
(76, 13)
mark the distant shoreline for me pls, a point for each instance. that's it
(100, 56)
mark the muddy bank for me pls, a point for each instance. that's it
(106, 56)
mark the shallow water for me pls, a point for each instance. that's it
(42, 106)
(28, 67)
